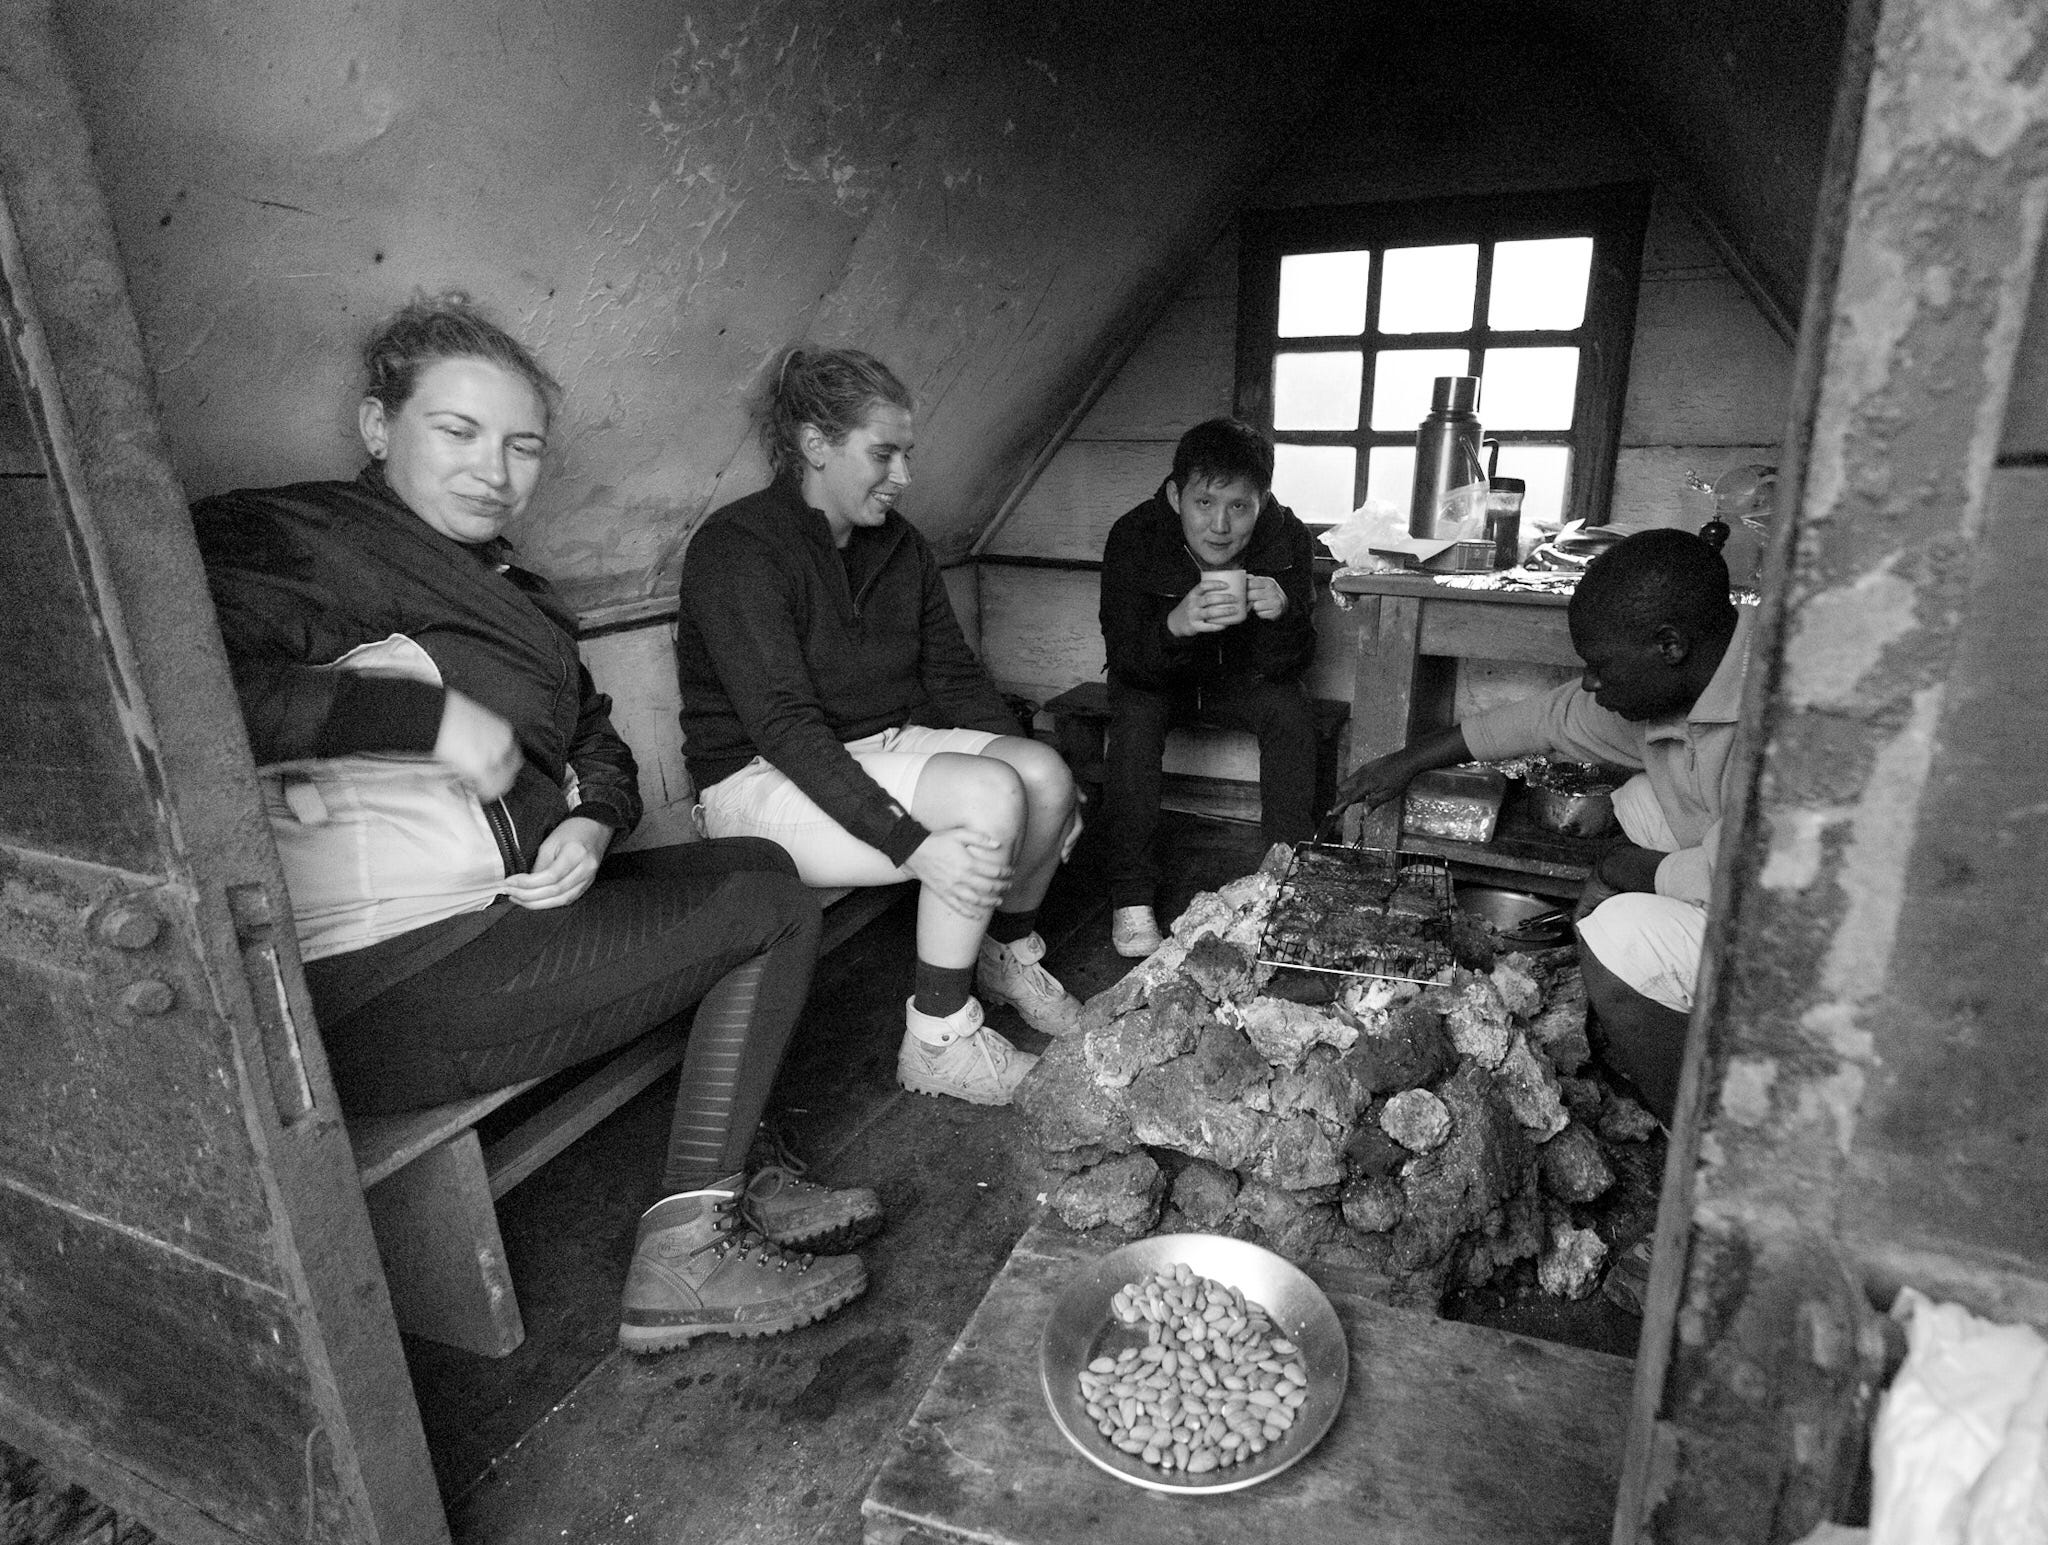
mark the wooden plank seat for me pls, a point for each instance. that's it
(431, 1184)
(1080, 717)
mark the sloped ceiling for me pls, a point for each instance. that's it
(659, 196)
(1734, 98)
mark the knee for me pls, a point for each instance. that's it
(1048, 784)
(992, 797)
(789, 908)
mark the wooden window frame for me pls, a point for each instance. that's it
(1614, 216)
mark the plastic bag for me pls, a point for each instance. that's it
(1960, 1451)
(1351, 540)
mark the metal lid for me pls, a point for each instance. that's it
(1455, 394)
(1508, 485)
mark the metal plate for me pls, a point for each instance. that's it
(1082, 1329)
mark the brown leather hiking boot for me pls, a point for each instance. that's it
(800, 1214)
(699, 1269)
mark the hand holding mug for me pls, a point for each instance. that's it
(1217, 602)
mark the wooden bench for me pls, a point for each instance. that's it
(431, 1185)
(1080, 718)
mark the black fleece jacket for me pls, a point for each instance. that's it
(302, 574)
(1147, 569)
(787, 647)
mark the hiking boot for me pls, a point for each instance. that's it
(799, 1214)
(1134, 932)
(699, 1270)
(1011, 973)
(958, 1055)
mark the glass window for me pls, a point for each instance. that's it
(1316, 391)
(1547, 470)
(1403, 380)
(1528, 388)
(1322, 294)
(1390, 475)
(1428, 289)
(1347, 316)
(1540, 285)
(1315, 481)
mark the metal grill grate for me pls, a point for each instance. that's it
(1356, 911)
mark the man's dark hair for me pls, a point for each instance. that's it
(1222, 450)
(1654, 577)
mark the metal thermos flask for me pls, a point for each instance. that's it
(1446, 453)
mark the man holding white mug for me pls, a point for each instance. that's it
(1207, 609)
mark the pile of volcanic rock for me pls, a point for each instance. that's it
(1433, 1136)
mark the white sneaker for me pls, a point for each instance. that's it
(1011, 973)
(959, 1056)
(1134, 932)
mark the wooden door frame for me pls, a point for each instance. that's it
(85, 354)
(1762, 1350)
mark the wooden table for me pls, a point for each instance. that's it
(1412, 631)
(1450, 1435)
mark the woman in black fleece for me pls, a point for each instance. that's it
(830, 703)
(443, 782)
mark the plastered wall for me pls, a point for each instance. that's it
(659, 197)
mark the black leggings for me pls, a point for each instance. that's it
(722, 924)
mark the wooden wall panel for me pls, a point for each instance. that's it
(637, 668)
(1078, 497)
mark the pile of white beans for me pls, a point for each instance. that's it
(1212, 1385)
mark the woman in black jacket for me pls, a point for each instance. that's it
(830, 703)
(444, 784)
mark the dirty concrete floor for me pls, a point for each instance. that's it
(777, 1439)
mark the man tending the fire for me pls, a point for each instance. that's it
(1665, 651)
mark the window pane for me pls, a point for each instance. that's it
(1402, 379)
(1428, 289)
(1540, 283)
(1547, 470)
(1390, 475)
(1315, 481)
(1322, 294)
(1528, 388)
(1316, 391)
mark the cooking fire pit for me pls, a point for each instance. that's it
(1407, 1098)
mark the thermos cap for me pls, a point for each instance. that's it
(1455, 394)
(1510, 485)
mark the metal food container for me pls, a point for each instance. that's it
(1459, 804)
(1572, 797)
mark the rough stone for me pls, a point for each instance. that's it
(1295, 1224)
(1478, 1022)
(1300, 1155)
(1222, 971)
(1373, 1206)
(1204, 1193)
(1571, 1266)
(1371, 1153)
(1559, 1032)
(1284, 1031)
(1224, 1065)
(1170, 1109)
(1622, 1120)
(1531, 1090)
(1417, 1120)
(1144, 1038)
(1462, 1186)
(1326, 1085)
(1208, 913)
(1068, 1111)
(1402, 1048)
(1122, 1196)
(1574, 1168)
(1514, 978)
(1515, 1232)
(1583, 1097)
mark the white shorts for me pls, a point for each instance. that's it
(1641, 817)
(1651, 942)
(760, 801)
